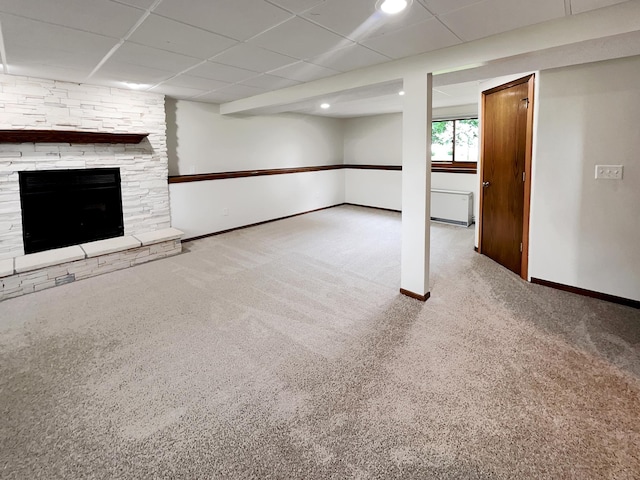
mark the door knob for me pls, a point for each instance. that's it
(485, 184)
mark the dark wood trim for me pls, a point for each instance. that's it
(587, 293)
(369, 206)
(528, 159)
(422, 298)
(373, 167)
(513, 83)
(199, 237)
(462, 167)
(454, 167)
(283, 218)
(68, 136)
(481, 173)
(249, 173)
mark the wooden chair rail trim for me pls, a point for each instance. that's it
(249, 173)
(283, 171)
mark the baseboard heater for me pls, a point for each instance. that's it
(452, 206)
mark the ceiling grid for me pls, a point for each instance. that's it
(227, 50)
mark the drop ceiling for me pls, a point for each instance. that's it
(223, 50)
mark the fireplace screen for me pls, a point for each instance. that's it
(68, 207)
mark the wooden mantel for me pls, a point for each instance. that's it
(68, 136)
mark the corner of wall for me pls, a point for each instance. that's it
(171, 107)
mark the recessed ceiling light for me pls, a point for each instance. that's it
(401, 92)
(325, 106)
(391, 7)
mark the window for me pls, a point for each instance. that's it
(454, 145)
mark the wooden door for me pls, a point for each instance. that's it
(506, 163)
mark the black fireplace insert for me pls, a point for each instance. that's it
(67, 207)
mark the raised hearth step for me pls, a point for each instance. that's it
(34, 261)
(158, 236)
(58, 256)
(6, 267)
(110, 245)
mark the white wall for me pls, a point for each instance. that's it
(200, 208)
(373, 188)
(586, 232)
(377, 140)
(374, 140)
(200, 140)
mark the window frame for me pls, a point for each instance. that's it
(445, 166)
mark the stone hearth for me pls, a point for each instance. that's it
(38, 271)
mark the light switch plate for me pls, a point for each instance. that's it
(609, 172)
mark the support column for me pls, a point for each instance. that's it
(416, 185)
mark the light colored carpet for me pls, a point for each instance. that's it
(286, 351)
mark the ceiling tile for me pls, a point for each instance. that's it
(213, 97)
(144, 4)
(310, 40)
(297, 6)
(579, 6)
(176, 92)
(96, 16)
(269, 82)
(135, 54)
(166, 34)
(304, 72)
(29, 42)
(438, 7)
(252, 58)
(359, 19)
(241, 90)
(65, 74)
(496, 16)
(349, 58)
(228, 94)
(422, 37)
(121, 73)
(238, 19)
(224, 73)
(188, 81)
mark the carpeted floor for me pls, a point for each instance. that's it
(285, 351)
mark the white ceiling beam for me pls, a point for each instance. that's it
(598, 24)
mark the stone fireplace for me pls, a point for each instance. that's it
(51, 106)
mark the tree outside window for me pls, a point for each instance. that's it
(454, 140)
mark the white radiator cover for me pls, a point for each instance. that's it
(452, 206)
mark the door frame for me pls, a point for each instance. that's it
(530, 80)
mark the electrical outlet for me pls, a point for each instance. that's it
(609, 172)
(225, 211)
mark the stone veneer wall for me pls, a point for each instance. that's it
(30, 103)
